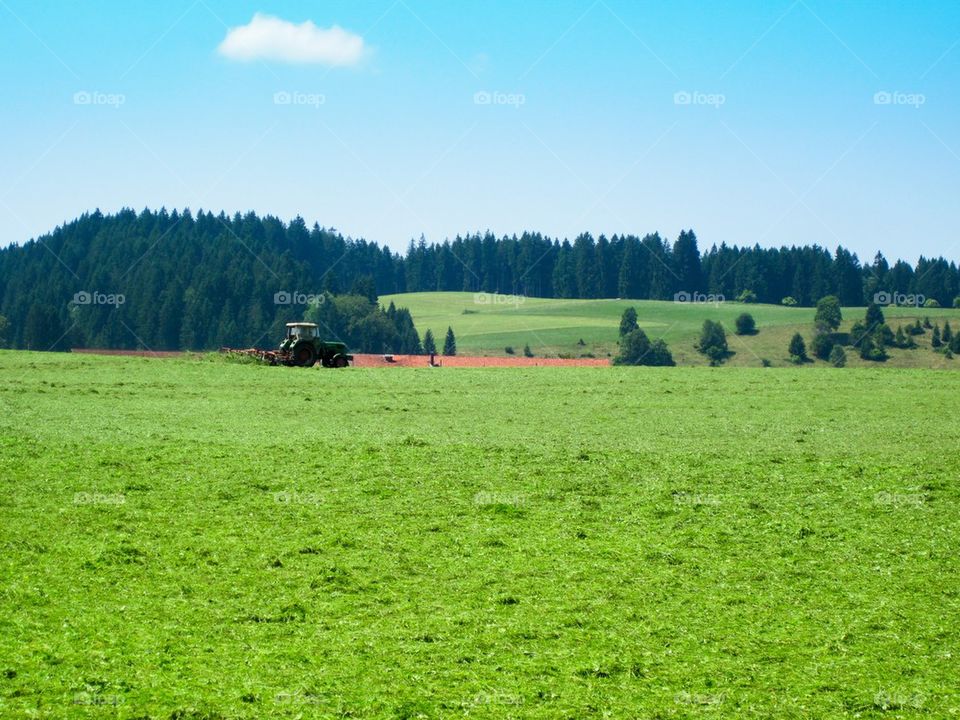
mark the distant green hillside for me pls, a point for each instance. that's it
(485, 324)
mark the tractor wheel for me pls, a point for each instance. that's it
(340, 361)
(304, 354)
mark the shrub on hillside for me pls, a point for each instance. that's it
(746, 325)
(713, 342)
(659, 355)
(633, 346)
(822, 345)
(838, 358)
(429, 344)
(628, 322)
(450, 343)
(874, 316)
(829, 315)
(636, 349)
(871, 348)
(798, 349)
(885, 335)
(900, 339)
(857, 333)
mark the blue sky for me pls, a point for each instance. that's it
(775, 122)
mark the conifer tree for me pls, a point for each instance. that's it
(628, 321)
(798, 348)
(450, 343)
(429, 344)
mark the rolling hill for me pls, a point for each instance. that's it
(485, 324)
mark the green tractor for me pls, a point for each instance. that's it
(302, 347)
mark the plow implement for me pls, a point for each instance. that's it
(272, 357)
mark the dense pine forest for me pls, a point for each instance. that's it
(174, 280)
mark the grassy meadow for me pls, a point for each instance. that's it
(485, 324)
(191, 538)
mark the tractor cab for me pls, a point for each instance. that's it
(301, 331)
(297, 331)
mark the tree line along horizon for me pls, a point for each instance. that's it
(200, 281)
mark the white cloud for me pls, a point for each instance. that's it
(270, 38)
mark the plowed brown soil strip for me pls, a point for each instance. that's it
(367, 360)
(473, 361)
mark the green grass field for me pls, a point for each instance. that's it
(200, 539)
(554, 326)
